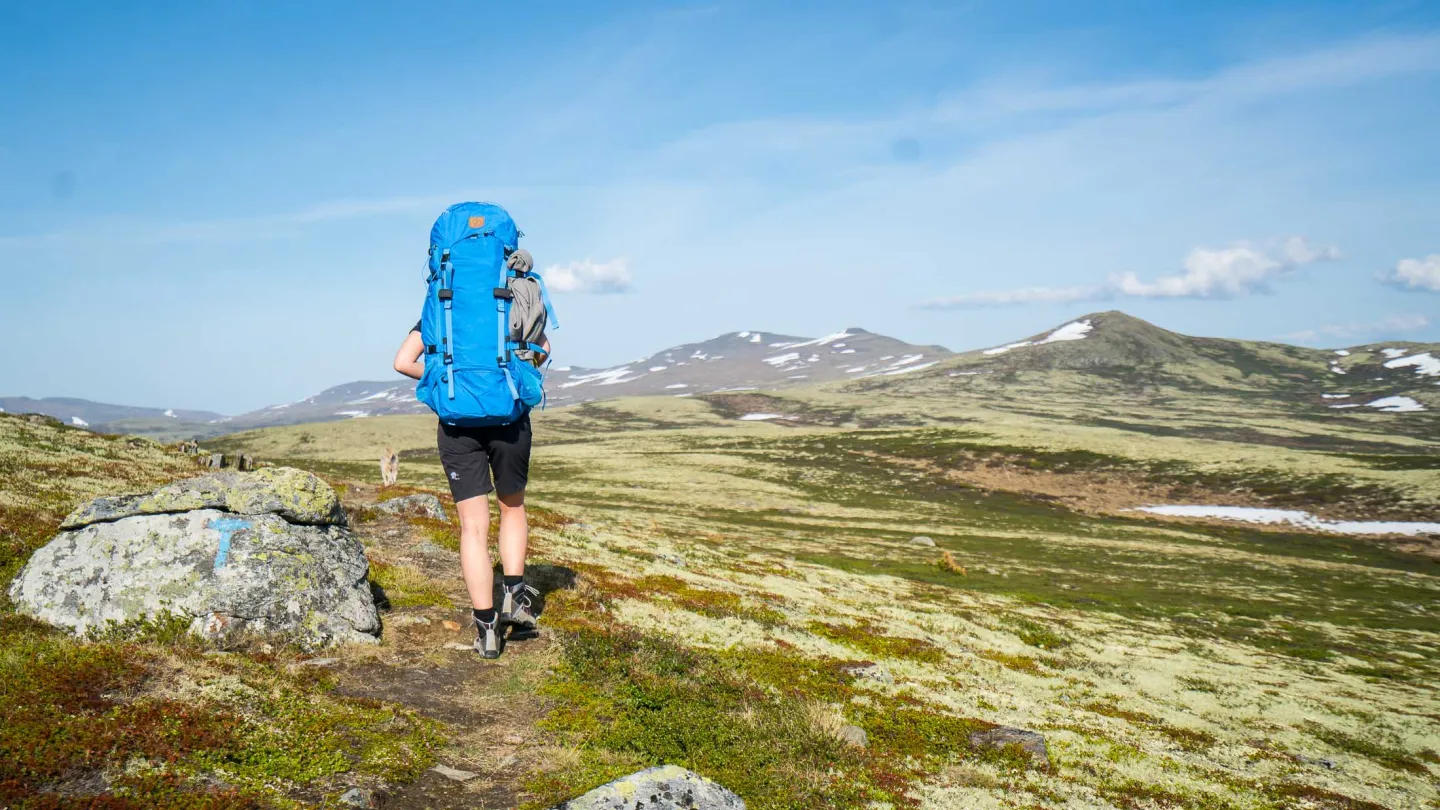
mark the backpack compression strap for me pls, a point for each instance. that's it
(447, 295)
(503, 296)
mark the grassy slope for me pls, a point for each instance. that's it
(144, 712)
(1169, 664)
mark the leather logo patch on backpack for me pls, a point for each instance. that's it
(477, 222)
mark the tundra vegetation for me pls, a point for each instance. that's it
(737, 597)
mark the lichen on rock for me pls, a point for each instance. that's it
(295, 495)
(421, 504)
(667, 787)
(262, 552)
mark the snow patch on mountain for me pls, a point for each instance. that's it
(1396, 405)
(1075, 330)
(610, 376)
(1426, 365)
(820, 341)
(781, 359)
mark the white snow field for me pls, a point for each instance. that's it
(1295, 517)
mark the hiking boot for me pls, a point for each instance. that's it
(518, 606)
(487, 638)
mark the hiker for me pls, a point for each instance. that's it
(477, 352)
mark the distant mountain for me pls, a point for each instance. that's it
(353, 400)
(737, 361)
(1106, 359)
(106, 418)
(740, 361)
(1111, 354)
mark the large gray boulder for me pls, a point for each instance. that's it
(262, 552)
(668, 787)
(295, 495)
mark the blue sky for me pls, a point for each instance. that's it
(224, 206)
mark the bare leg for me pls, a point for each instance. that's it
(475, 551)
(514, 533)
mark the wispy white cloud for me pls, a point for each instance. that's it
(1230, 272)
(589, 276)
(1215, 273)
(1388, 325)
(1416, 274)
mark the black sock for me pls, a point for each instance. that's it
(515, 581)
(487, 615)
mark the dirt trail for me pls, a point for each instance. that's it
(425, 663)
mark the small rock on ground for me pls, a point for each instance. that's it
(358, 797)
(922, 540)
(453, 774)
(455, 645)
(422, 505)
(668, 787)
(869, 671)
(1031, 742)
(853, 735)
(319, 662)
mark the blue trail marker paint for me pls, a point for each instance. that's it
(226, 527)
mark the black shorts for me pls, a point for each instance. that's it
(469, 454)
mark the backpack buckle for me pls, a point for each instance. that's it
(446, 294)
(504, 292)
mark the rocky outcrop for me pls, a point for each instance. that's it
(667, 787)
(263, 552)
(1029, 742)
(295, 495)
(420, 505)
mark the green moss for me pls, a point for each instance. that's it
(630, 701)
(716, 604)
(68, 706)
(868, 638)
(1036, 634)
(405, 586)
(1389, 755)
(922, 733)
(1019, 663)
(442, 533)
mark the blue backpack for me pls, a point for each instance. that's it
(472, 376)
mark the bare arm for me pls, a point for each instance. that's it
(407, 360)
